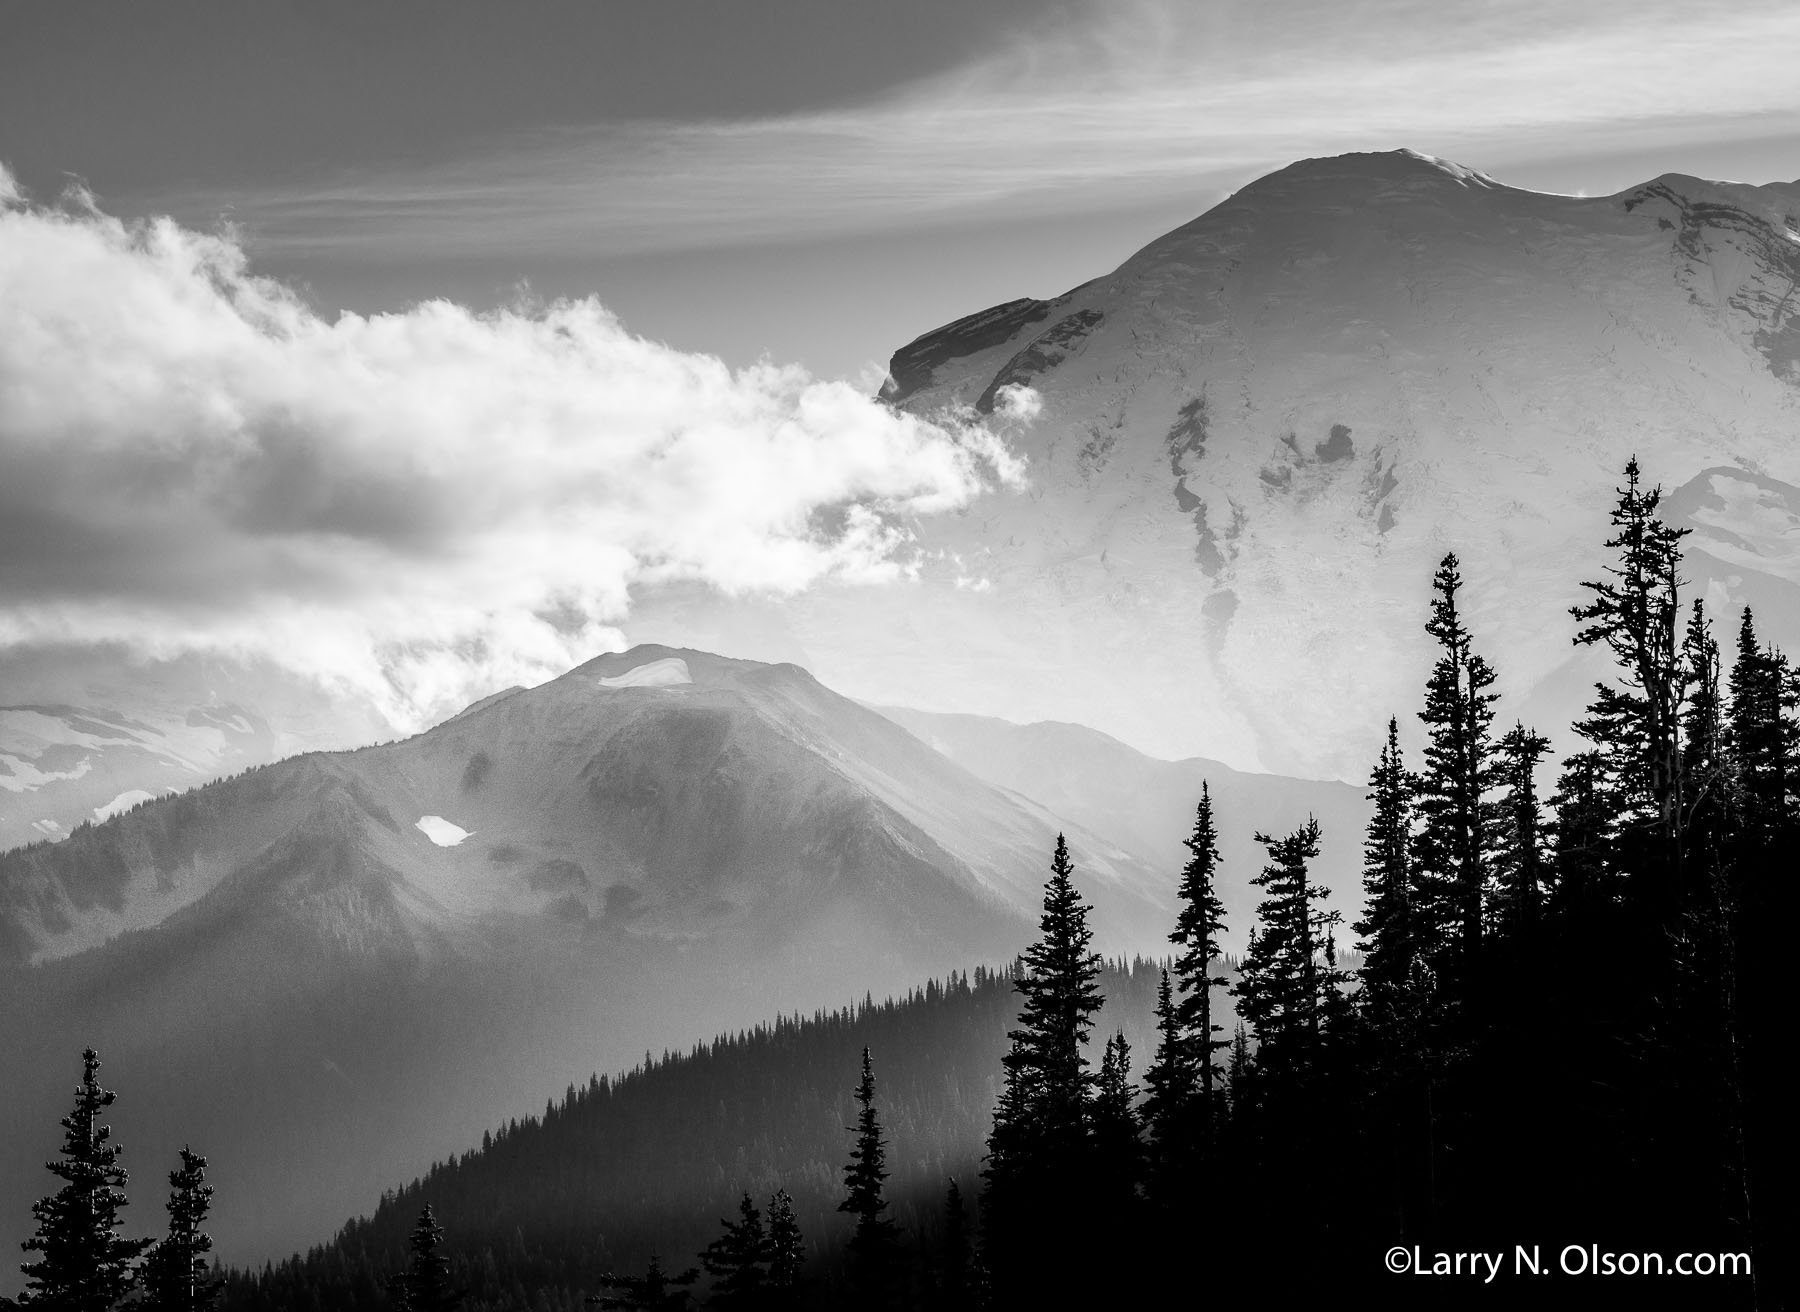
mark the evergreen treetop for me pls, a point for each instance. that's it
(1634, 613)
(737, 1259)
(1198, 925)
(1453, 845)
(85, 1265)
(177, 1276)
(1387, 928)
(425, 1284)
(1285, 983)
(786, 1251)
(1057, 979)
(874, 1245)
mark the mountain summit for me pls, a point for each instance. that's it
(382, 951)
(1261, 431)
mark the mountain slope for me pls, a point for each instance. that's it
(1146, 806)
(379, 952)
(1259, 434)
(620, 1168)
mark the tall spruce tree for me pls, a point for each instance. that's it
(786, 1252)
(1388, 930)
(1521, 869)
(874, 1247)
(1056, 978)
(85, 1265)
(1198, 925)
(177, 1275)
(1285, 986)
(1169, 1098)
(1635, 614)
(959, 1280)
(1240, 1082)
(1583, 834)
(425, 1284)
(1705, 767)
(1761, 733)
(1453, 847)
(1118, 1144)
(737, 1260)
(1039, 1149)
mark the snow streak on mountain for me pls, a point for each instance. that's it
(1261, 431)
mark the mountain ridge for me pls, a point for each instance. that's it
(1259, 433)
(657, 846)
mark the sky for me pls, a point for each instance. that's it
(822, 181)
(399, 342)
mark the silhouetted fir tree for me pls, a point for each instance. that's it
(1704, 762)
(1118, 1142)
(737, 1260)
(786, 1253)
(1388, 930)
(959, 1280)
(1283, 985)
(1239, 1066)
(1634, 614)
(1761, 734)
(84, 1264)
(1039, 1150)
(1707, 932)
(654, 1291)
(1198, 925)
(1654, 973)
(1761, 906)
(1169, 1097)
(177, 1276)
(1453, 845)
(874, 1247)
(1582, 836)
(1521, 870)
(425, 1284)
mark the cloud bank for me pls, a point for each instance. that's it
(421, 505)
(1129, 100)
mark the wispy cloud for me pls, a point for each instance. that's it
(421, 505)
(1139, 99)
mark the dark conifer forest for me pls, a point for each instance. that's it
(1556, 1029)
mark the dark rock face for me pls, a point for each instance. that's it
(913, 365)
(1047, 350)
(1336, 447)
(1766, 294)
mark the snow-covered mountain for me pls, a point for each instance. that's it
(88, 733)
(64, 766)
(1260, 433)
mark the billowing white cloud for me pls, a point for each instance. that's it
(421, 505)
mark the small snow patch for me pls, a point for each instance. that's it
(665, 673)
(440, 830)
(122, 803)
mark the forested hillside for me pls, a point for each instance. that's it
(648, 1162)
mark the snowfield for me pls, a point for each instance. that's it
(1261, 432)
(667, 673)
(440, 830)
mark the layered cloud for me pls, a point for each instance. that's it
(422, 504)
(1127, 100)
